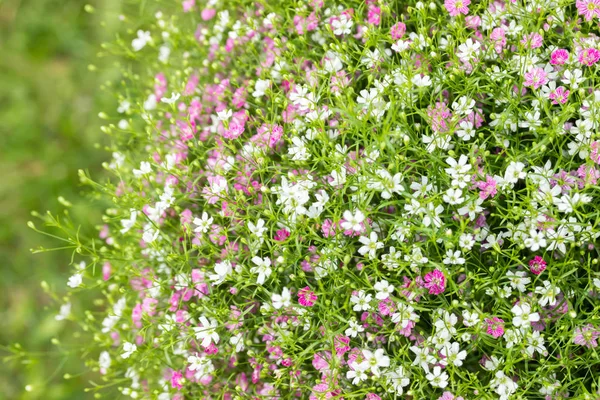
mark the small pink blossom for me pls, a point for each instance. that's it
(587, 336)
(536, 78)
(537, 265)
(398, 30)
(487, 188)
(594, 154)
(588, 8)
(495, 327)
(559, 96)
(588, 57)
(435, 281)
(307, 297)
(177, 380)
(532, 41)
(455, 7)
(559, 57)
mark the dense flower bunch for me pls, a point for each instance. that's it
(351, 199)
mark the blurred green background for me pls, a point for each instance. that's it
(49, 101)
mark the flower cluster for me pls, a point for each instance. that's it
(351, 199)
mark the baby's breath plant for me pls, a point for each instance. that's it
(347, 199)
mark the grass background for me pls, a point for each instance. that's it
(49, 101)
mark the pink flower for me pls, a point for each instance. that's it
(374, 15)
(559, 57)
(594, 155)
(488, 188)
(435, 281)
(536, 78)
(234, 131)
(398, 30)
(306, 297)
(587, 336)
(498, 35)
(532, 41)
(589, 57)
(177, 380)
(372, 396)
(588, 8)
(281, 235)
(495, 327)
(559, 96)
(341, 343)
(456, 7)
(537, 265)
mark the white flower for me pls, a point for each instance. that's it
(75, 280)
(354, 329)
(458, 168)
(535, 240)
(174, 97)
(453, 258)
(353, 221)
(361, 301)
(357, 374)
(437, 378)
(376, 360)
(422, 357)
(222, 270)
(261, 87)
(150, 102)
(203, 224)
(145, 168)
(548, 292)
(143, 38)
(514, 172)
(384, 289)
(104, 362)
(370, 245)
(404, 315)
(263, 268)
(224, 115)
(238, 342)
(342, 25)
(523, 315)
(421, 81)
(399, 379)
(339, 177)
(128, 349)
(64, 312)
(504, 386)
(468, 50)
(518, 280)
(202, 366)
(453, 196)
(282, 300)
(207, 332)
(453, 354)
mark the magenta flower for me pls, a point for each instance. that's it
(495, 327)
(559, 57)
(588, 57)
(587, 336)
(435, 281)
(456, 7)
(537, 265)
(177, 380)
(588, 8)
(306, 297)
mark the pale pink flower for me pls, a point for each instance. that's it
(559, 96)
(536, 78)
(588, 57)
(588, 8)
(456, 7)
(587, 336)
